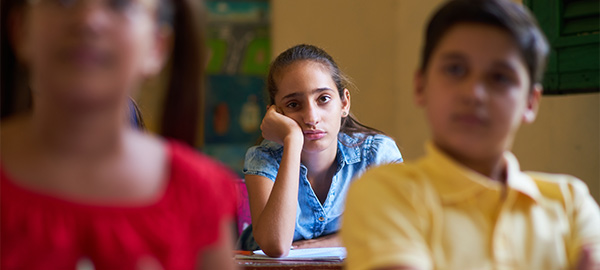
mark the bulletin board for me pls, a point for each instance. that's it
(239, 49)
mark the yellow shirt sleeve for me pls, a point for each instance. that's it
(586, 215)
(386, 222)
(580, 207)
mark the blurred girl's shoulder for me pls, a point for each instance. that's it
(186, 158)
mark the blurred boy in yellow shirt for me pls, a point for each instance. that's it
(467, 204)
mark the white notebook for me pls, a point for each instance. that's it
(305, 254)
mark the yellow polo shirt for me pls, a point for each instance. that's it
(437, 214)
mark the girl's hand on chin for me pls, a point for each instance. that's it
(278, 127)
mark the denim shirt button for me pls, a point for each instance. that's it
(321, 218)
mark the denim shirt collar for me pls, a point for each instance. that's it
(347, 152)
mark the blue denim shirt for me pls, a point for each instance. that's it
(353, 158)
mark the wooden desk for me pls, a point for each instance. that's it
(288, 265)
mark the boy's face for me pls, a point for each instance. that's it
(476, 91)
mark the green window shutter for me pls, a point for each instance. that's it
(572, 28)
(580, 17)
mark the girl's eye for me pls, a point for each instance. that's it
(115, 5)
(324, 99)
(292, 105)
(455, 70)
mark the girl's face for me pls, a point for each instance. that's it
(307, 94)
(89, 53)
(476, 91)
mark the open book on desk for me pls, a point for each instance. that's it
(305, 254)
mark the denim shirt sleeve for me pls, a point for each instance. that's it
(263, 160)
(383, 150)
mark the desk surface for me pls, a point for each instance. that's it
(288, 265)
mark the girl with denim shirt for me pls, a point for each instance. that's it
(298, 176)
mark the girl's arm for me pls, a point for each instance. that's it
(273, 204)
(218, 256)
(331, 240)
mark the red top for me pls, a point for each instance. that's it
(42, 231)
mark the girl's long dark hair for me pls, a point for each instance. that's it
(301, 52)
(185, 89)
(14, 95)
(182, 104)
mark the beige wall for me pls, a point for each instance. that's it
(359, 35)
(565, 138)
(378, 44)
(374, 42)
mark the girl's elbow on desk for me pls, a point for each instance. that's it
(276, 251)
(272, 247)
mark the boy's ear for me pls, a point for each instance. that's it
(419, 82)
(533, 103)
(346, 103)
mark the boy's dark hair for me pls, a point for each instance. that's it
(504, 14)
(307, 52)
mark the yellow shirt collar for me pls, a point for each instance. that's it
(455, 182)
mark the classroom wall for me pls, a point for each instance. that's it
(565, 138)
(377, 43)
